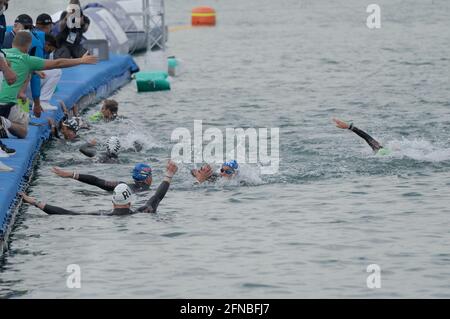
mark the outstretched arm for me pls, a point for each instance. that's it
(67, 63)
(89, 149)
(87, 179)
(152, 205)
(374, 144)
(48, 209)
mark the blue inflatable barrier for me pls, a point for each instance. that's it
(84, 85)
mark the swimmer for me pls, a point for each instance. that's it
(374, 144)
(110, 156)
(82, 123)
(68, 128)
(122, 199)
(142, 176)
(228, 170)
(108, 112)
(69, 125)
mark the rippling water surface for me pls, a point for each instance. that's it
(312, 229)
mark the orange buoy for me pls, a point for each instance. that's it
(203, 16)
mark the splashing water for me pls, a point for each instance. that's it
(418, 149)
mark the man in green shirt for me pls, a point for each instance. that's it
(12, 118)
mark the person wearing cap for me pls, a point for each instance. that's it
(12, 117)
(141, 174)
(228, 170)
(68, 127)
(44, 23)
(122, 199)
(51, 78)
(25, 22)
(111, 154)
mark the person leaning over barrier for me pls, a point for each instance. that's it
(12, 118)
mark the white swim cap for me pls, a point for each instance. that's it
(122, 195)
(113, 145)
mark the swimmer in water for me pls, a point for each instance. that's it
(228, 170)
(108, 112)
(374, 144)
(122, 199)
(142, 176)
(69, 126)
(110, 156)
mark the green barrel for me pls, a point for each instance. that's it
(152, 81)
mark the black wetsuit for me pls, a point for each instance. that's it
(110, 185)
(150, 207)
(91, 151)
(369, 139)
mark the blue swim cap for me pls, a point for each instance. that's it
(232, 164)
(141, 172)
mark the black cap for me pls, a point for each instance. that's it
(24, 19)
(44, 19)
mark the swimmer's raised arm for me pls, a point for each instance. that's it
(374, 144)
(152, 205)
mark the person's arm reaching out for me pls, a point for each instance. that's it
(152, 205)
(67, 63)
(89, 149)
(48, 209)
(374, 144)
(87, 179)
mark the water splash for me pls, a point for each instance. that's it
(418, 149)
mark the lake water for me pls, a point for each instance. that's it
(312, 229)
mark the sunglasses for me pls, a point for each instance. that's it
(227, 171)
(146, 173)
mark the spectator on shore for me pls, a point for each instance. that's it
(12, 118)
(72, 25)
(44, 23)
(25, 22)
(3, 8)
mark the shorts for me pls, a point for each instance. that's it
(16, 115)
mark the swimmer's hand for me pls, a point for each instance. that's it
(63, 107)
(93, 142)
(27, 199)
(203, 174)
(61, 173)
(341, 124)
(171, 170)
(89, 59)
